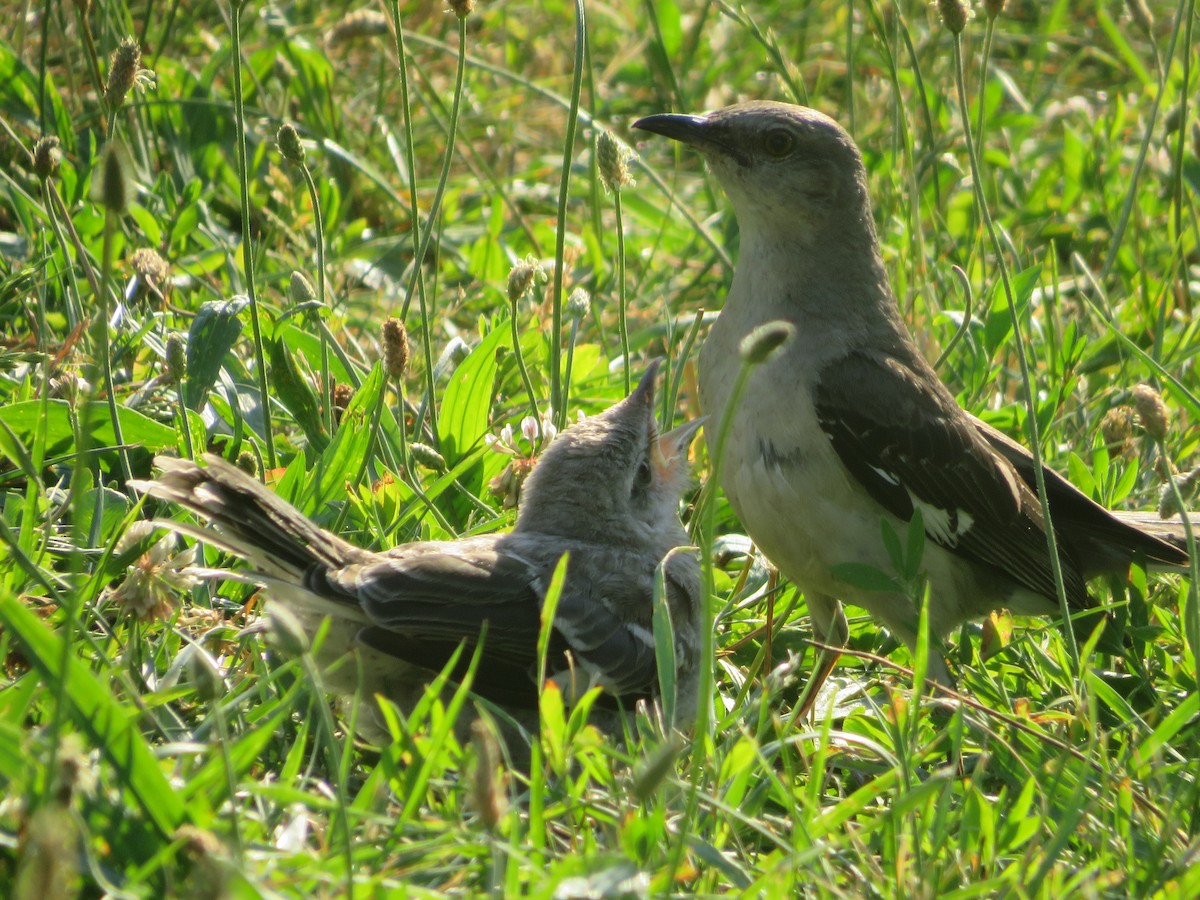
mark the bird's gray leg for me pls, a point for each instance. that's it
(829, 627)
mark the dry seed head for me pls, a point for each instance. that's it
(248, 463)
(114, 188)
(47, 156)
(1141, 15)
(1187, 485)
(363, 23)
(122, 72)
(579, 303)
(993, 8)
(461, 8)
(427, 456)
(176, 358)
(487, 784)
(287, 139)
(300, 289)
(612, 157)
(395, 349)
(1151, 411)
(1117, 428)
(761, 343)
(507, 485)
(340, 397)
(70, 387)
(955, 14)
(146, 262)
(521, 277)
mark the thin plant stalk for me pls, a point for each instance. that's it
(622, 300)
(417, 285)
(1191, 622)
(102, 347)
(239, 112)
(557, 393)
(521, 367)
(1035, 447)
(319, 227)
(1185, 8)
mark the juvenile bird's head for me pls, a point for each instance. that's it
(787, 169)
(611, 476)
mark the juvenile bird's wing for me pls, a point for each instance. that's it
(911, 446)
(423, 600)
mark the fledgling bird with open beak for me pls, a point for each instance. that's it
(848, 426)
(606, 491)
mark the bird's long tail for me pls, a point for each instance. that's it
(249, 520)
(1171, 531)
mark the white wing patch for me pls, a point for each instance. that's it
(886, 476)
(945, 526)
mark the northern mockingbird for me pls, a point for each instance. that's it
(606, 491)
(848, 424)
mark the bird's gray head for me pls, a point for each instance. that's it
(611, 476)
(782, 165)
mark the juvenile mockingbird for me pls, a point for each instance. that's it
(606, 491)
(849, 425)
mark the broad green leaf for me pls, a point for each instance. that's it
(214, 331)
(55, 416)
(867, 577)
(297, 395)
(467, 402)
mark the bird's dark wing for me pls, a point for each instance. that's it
(424, 600)
(901, 434)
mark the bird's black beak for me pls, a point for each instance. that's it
(702, 132)
(643, 394)
(678, 127)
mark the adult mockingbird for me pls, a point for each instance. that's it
(849, 425)
(606, 491)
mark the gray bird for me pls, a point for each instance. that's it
(606, 491)
(848, 424)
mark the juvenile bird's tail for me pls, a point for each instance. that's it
(249, 520)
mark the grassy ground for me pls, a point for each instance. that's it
(150, 747)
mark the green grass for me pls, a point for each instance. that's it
(176, 754)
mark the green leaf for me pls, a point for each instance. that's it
(297, 395)
(55, 416)
(213, 333)
(998, 327)
(467, 402)
(915, 553)
(670, 26)
(867, 578)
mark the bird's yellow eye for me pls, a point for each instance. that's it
(778, 142)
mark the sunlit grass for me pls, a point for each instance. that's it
(179, 754)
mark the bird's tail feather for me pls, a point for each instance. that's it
(251, 521)
(1171, 531)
